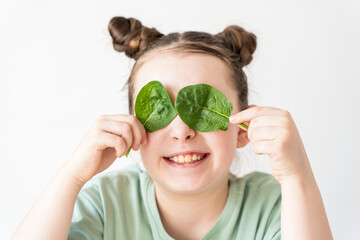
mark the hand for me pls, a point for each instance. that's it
(273, 132)
(109, 137)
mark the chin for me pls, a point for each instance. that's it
(184, 188)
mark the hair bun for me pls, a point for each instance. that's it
(239, 41)
(130, 36)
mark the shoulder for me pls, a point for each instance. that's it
(112, 191)
(259, 191)
(260, 197)
(110, 199)
(130, 174)
(257, 183)
(120, 184)
(261, 180)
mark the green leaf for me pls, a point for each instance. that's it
(153, 107)
(203, 108)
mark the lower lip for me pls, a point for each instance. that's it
(187, 165)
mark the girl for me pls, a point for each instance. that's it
(186, 191)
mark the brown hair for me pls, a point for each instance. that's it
(233, 45)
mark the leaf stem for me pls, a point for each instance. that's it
(244, 126)
(128, 151)
(240, 124)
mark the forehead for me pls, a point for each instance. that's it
(175, 71)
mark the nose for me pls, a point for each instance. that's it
(181, 131)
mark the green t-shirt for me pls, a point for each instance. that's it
(122, 205)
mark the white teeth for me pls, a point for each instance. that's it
(186, 158)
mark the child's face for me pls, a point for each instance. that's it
(176, 71)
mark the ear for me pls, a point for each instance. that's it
(243, 138)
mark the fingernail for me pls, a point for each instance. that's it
(232, 118)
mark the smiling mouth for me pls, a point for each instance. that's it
(188, 158)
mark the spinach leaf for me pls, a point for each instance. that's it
(203, 108)
(153, 107)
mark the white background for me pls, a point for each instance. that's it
(59, 72)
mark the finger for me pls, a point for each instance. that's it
(264, 147)
(118, 117)
(139, 131)
(263, 133)
(115, 125)
(251, 113)
(269, 121)
(121, 129)
(106, 140)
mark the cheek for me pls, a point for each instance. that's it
(149, 151)
(224, 141)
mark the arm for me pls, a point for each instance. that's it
(50, 216)
(108, 138)
(303, 213)
(273, 132)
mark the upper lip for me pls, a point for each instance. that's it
(186, 153)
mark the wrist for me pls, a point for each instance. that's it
(302, 175)
(70, 177)
(299, 180)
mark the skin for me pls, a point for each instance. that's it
(174, 73)
(180, 192)
(187, 188)
(273, 132)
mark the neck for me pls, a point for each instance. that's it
(191, 216)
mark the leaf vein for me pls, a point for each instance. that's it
(153, 111)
